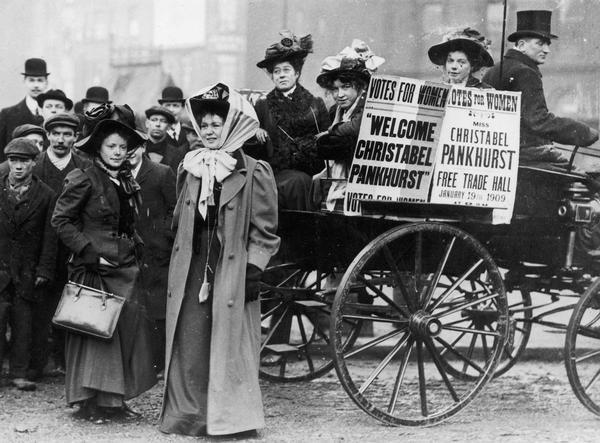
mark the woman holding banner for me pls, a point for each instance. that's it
(346, 77)
(461, 54)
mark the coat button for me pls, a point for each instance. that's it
(230, 303)
(230, 206)
(231, 256)
(177, 247)
(187, 202)
(169, 294)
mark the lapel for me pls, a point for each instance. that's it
(108, 189)
(144, 170)
(235, 182)
(32, 198)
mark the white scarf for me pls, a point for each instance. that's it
(209, 165)
(59, 162)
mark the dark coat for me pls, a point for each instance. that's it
(27, 241)
(181, 139)
(154, 226)
(172, 154)
(54, 177)
(12, 117)
(538, 125)
(292, 124)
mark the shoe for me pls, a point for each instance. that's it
(23, 384)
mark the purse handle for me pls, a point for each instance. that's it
(102, 291)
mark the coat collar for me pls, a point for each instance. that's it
(109, 190)
(145, 168)
(519, 56)
(32, 197)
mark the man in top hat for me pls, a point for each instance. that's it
(172, 99)
(160, 147)
(94, 97)
(52, 167)
(53, 101)
(520, 72)
(27, 253)
(35, 79)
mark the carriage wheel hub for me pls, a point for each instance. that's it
(425, 325)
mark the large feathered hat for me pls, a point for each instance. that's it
(287, 48)
(467, 40)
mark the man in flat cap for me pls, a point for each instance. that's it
(27, 253)
(172, 99)
(35, 79)
(52, 102)
(540, 129)
(31, 132)
(160, 147)
(94, 97)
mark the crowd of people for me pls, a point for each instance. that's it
(181, 219)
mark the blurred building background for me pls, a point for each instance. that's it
(136, 47)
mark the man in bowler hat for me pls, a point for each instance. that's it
(35, 79)
(160, 147)
(52, 102)
(27, 253)
(520, 72)
(94, 97)
(172, 99)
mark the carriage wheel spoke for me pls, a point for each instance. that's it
(440, 367)
(586, 356)
(311, 367)
(282, 366)
(400, 377)
(456, 322)
(455, 285)
(470, 352)
(382, 365)
(384, 297)
(398, 278)
(270, 312)
(376, 319)
(470, 331)
(274, 328)
(454, 342)
(593, 380)
(438, 273)
(465, 305)
(422, 385)
(459, 355)
(486, 351)
(372, 343)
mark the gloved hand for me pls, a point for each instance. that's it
(90, 258)
(253, 277)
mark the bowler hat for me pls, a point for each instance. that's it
(26, 129)
(62, 119)
(533, 23)
(54, 94)
(22, 148)
(161, 110)
(215, 99)
(35, 67)
(171, 94)
(96, 94)
(289, 47)
(92, 143)
(468, 40)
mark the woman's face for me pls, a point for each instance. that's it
(211, 127)
(284, 76)
(457, 67)
(344, 94)
(113, 150)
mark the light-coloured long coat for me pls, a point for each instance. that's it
(247, 223)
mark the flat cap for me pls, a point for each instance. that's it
(22, 148)
(161, 110)
(26, 129)
(62, 119)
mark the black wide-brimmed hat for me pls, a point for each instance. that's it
(54, 94)
(35, 67)
(533, 23)
(26, 129)
(96, 94)
(215, 99)
(160, 110)
(171, 94)
(92, 143)
(467, 40)
(289, 47)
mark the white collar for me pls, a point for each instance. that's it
(60, 162)
(176, 128)
(289, 92)
(32, 105)
(135, 170)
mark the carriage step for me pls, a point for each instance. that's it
(281, 348)
(310, 303)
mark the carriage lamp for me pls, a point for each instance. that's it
(579, 211)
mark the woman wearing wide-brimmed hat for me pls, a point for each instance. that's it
(290, 117)
(346, 77)
(461, 54)
(226, 218)
(95, 218)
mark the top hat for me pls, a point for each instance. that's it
(35, 67)
(287, 48)
(216, 98)
(26, 129)
(22, 148)
(92, 143)
(96, 94)
(54, 94)
(533, 24)
(468, 40)
(160, 110)
(171, 94)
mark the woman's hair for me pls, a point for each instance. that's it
(296, 62)
(357, 83)
(475, 60)
(104, 133)
(207, 110)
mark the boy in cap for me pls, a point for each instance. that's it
(35, 79)
(27, 253)
(160, 147)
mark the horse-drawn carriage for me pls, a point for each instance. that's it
(417, 305)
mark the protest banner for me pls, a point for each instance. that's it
(396, 147)
(477, 158)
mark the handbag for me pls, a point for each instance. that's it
(88, 311)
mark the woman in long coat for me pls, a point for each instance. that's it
(95, 218)
(226, 217)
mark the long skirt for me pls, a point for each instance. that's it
(121, 368)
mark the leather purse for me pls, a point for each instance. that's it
(88, 311)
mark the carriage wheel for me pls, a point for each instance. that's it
(582, 349)
(295, 307)
(407, 284)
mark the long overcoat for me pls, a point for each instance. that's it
(247, 222)
(12, 117)
(27, 241)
